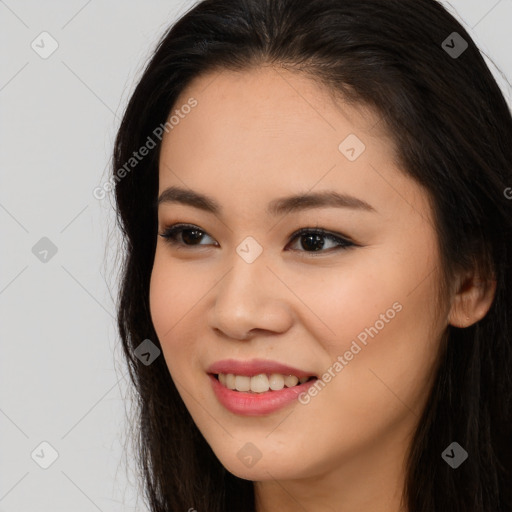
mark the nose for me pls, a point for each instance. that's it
(250, 299)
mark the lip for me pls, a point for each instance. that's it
(256, 404)
(254, 367)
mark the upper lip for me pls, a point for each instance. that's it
(255, 367)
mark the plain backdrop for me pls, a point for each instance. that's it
(63, 383)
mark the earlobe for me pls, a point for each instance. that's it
(472, 301)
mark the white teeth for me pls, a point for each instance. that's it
(290, 380)
(230, 381)
(276, 382)
(260, 383)
(242, 383)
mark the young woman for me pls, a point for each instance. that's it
(316, 204)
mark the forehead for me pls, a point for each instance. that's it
(270, 132)
(277, 103)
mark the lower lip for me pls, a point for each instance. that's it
(256, 404)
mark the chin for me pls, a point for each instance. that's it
(268, 464)
(261, 471)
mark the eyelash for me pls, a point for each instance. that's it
(170, 233)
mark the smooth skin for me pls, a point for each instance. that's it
(253, 137)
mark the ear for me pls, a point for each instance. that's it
(472, 300)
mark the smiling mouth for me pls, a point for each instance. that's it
(260, 383)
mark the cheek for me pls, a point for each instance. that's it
(376, 313)
(173, 295)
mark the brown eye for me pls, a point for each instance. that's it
(314, 240)
(190, 235)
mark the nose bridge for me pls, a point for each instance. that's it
(242, 280)
(245, 284)
(248, 296)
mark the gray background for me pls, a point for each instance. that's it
(63, 380)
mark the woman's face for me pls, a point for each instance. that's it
(360, 317)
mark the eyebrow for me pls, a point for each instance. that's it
(276, 207)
